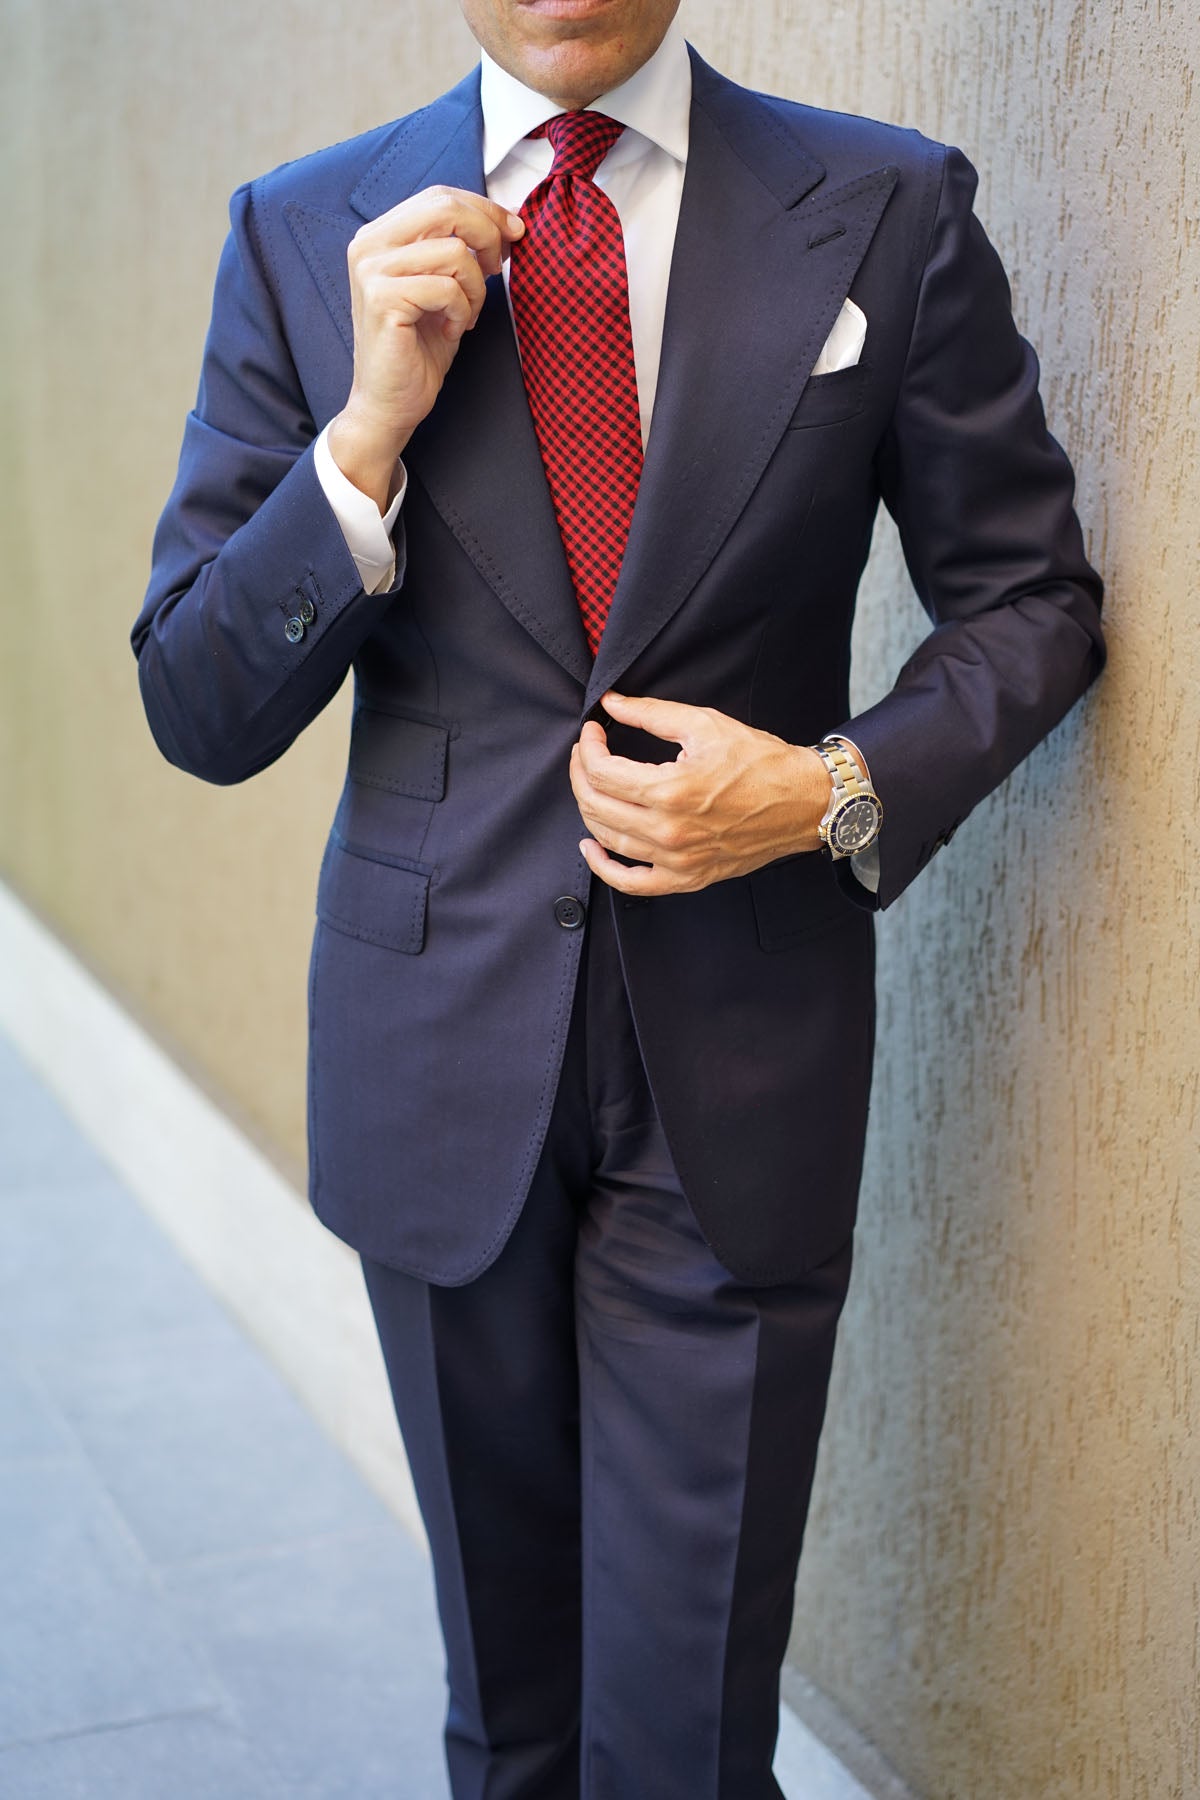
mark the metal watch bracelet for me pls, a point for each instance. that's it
(855, 811)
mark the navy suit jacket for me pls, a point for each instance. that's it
(442, 979)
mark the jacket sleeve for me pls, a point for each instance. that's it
(255, 609)
(983, 498)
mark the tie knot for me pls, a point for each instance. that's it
(581, 141)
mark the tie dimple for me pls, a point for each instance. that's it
(581, 141)
(570, 298)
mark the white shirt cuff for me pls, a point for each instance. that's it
(367, 531)
(865, 868)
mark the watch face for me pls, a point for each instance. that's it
(857, 825)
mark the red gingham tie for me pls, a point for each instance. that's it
(570, 299)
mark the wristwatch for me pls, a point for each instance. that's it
(855, 809)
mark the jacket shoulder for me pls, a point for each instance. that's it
(837, 146)
(850, 140)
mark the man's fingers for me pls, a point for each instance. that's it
(618, 776)
(409, 297)
(487, 229)
(431, 256)
(652, 834)
(607, 812)
(467, 215)
(643, 880)
(669, 719)
(645, 835)
(510, 225)
(622, 842)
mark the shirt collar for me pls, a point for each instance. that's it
(655, 101)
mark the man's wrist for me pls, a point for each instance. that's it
(811, 787)
(367, 454)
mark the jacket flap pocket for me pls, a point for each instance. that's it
(400, 755)
(798, 898)
(380, 903)
(827, 399)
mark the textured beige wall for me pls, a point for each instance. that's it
(1002, 1583)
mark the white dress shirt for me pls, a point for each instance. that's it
(643, 177)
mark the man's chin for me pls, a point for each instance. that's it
(571, 51)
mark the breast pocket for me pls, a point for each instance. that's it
(828, 399)
(398, 753)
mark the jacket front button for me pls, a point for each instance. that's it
(569, 912)
(294, 630)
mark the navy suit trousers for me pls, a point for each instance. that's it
(613, 1443)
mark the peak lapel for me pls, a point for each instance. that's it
(763, 260)
(476, 455)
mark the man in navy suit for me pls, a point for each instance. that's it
(592, 1108)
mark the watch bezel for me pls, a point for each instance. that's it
(843, 806)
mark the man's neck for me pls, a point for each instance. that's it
(655, 101)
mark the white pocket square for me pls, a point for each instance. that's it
(843, 346)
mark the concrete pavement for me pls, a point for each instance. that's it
(200, 1598)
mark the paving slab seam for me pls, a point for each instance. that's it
(222, 1710)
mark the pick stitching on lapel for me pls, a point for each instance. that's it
(322, 239)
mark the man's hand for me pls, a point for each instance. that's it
(417, 283)
(733, 799)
